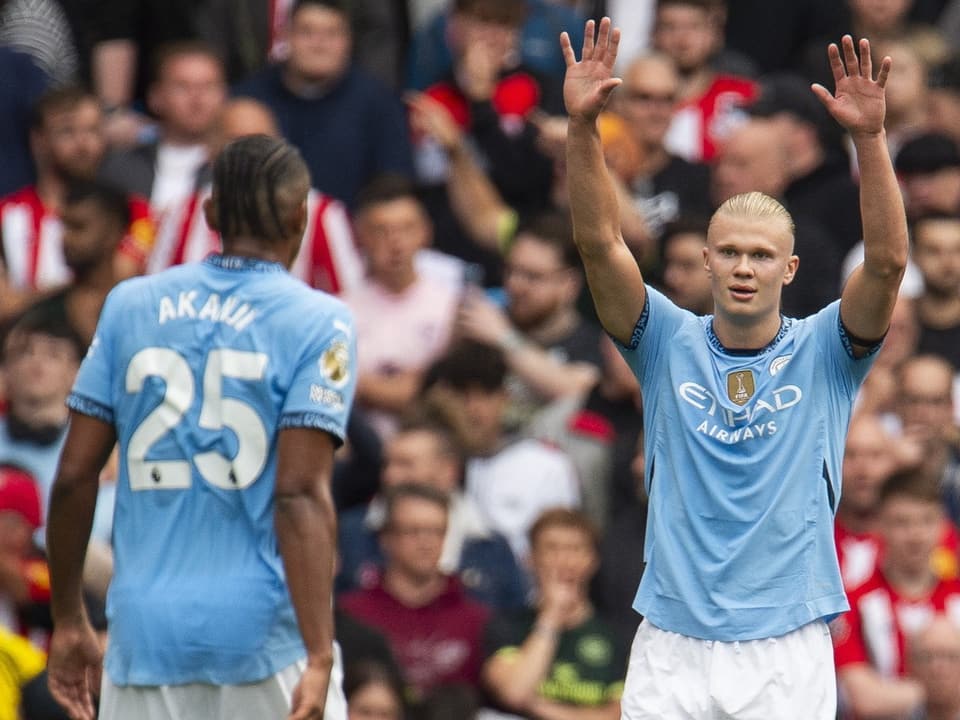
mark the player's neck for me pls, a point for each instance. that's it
(413, 592)
(746, 335)
(909, 582)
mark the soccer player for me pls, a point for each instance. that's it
(227, 384)
(745, 415)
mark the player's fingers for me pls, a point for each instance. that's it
(823, 95)
(566, 48)
(866, 62)
(603, 37)
(836, 64)
(588, 31)
(850, 56)
(884, 73)
(611, 57)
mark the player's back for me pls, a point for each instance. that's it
(201, 365)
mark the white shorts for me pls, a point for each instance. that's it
(675, 677)
(265, 700)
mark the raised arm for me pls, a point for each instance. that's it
(612, 274)
(858, 104)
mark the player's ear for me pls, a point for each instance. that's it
(297, 222)
(706, 261)
(210, 213)
(791, 272)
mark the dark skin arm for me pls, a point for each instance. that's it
(75, 656)
(306, 527)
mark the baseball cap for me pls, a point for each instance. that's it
(19, 494)
(927, 153)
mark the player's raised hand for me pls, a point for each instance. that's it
(858, 102)
(588, 83)
(74, 668)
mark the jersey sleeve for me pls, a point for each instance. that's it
(92, 392)
(325, 379)
(837, 347)
(658, 324)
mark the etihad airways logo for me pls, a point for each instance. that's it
(748, 422)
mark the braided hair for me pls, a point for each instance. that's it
(257, 181)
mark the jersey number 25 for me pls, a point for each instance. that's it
(216, 413)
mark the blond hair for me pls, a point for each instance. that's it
(754, 206)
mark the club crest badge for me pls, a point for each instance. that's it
(740, 386)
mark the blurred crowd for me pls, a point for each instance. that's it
(491, 498)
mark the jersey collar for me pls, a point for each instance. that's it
(242, 263)
(714, 341)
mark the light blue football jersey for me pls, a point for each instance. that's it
(743, 455)
(198, 368)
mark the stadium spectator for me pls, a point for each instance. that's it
(666, 187)
(907, 96)
(372, 693)
(755, 157)
(933, 658)
(598, 431)
(24, 662)
(818, 166)
(68, 145)
(511, 480)
(559, 658)
(879, 392)
(23, 85)
(41, 354)
(424, 453)
(254, 496)
(434, 46)
(187, 97)
(899, 600)
(404, 317)
(249, 33)
(929, 168)
(433, 628)
(620, 572)
(868, 460)
(95, 218)
(936, 253)
(23, 577)
(943, 97)
(552, 352)
(690, 32)
(685, 279)
(925, 409)
(348, 126)
(494, 100)
(327, 259)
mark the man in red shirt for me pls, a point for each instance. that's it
(434, 630)
(901, 598)
(690, 32)
(68, 144)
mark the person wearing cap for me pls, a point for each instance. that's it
(929, 169)
(818, 167)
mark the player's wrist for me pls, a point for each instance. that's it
(320, 661)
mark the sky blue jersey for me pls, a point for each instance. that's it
(199, 368)
(743, 455)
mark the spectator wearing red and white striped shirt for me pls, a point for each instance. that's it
(328, 259)
(901, 598)
(68, 145)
